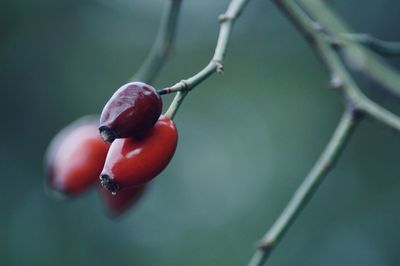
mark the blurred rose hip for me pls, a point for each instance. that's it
(75, 157)
(117, 204)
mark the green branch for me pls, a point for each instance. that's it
(361, 58)
(176, 102)
(321, 28)
(321, 38)
(378, 46)
(350, 88)
(216, 64)
(162, 46)
(309, 186)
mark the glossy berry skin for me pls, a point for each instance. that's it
(75, 157)
(117, 204)
(132, 162)
(133, 109)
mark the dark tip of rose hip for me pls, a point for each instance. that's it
(109, 184)
(107, 134)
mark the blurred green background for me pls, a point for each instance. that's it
(247, 139)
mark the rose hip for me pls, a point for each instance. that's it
(132, 162)
(117, 204)
(133, 109)
(75, 157)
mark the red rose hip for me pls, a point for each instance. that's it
(75, 157)
(117, 204)
(132, 162)
(133, 109)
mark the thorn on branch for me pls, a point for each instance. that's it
(220, 67)
(317, 26)
(336, 82)
(223, 17)
(265, 245)
(334, 42)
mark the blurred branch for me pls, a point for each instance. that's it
(320, 37)
(362, 58)
(350, 89)
(162, 46)
(216, 64)
(379, 46)
(309, 186)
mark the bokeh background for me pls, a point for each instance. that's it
(247, 139)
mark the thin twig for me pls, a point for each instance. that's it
(162, 46)
(382, 47)
(309, 186)
(176, 102)
(216, 64)
(380, 114)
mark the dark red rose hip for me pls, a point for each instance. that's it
(133, 109)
